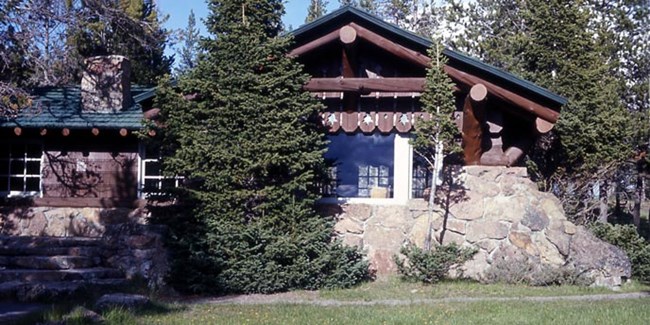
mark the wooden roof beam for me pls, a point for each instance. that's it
(365, 84)
(306, 48)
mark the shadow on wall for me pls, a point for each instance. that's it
(13, 210)
(75, 177)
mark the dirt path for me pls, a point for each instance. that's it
(312, 298)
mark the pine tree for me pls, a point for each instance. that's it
(251, 150)
(369, 5)
(316, 9)
(434, 139)
(126, 27)
(189, 52)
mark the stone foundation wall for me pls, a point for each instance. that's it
(496, 209)
(133, 246)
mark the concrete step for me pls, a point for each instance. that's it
(40, 291)
(58, 262)
(32, 275)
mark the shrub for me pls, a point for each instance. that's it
(628, 239)
(523, 270)
(431, 266)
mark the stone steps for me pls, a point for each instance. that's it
(56, 262)
(39, 268)
(21, 291)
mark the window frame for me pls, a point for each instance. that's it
(6, 189)
(159, 178)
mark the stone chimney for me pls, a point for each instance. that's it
(106, 85)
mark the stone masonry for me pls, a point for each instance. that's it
(496, 209)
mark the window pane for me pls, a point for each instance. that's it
(33, 184)
(168, 183)
(33, 167)
(4, 183)
(17, 151)
(17, 184)
(360, 159)
(151, 185)
(33, 151)
(4, 167)
(17, 167)
(152, 168)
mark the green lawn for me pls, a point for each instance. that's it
(631, 311)
(634, 311)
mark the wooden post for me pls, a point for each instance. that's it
(65, 132)
(473, 117)
(18, 131)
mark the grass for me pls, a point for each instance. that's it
(632, 311)
(601, 312)
(394, 288)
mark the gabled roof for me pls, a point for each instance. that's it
(61, 108)
(347, 14)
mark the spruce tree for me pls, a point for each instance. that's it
(434, 139)
(316, 9)
(250, 148)
(189, 52)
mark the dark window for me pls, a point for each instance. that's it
(363, 165)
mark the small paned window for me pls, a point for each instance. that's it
(421, 177)
(152, 179)
(20, 169)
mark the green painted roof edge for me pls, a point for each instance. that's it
(453, 54)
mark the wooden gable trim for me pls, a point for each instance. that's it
(546, 116)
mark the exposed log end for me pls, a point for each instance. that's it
(543, 126)
(95, 131)
(124, 132)
(65, 132)
(43, 132)
(152, 133)
(347, 35)
(478, 92)
(18, 131)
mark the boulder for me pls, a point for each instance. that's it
(122, 300)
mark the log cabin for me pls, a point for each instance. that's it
(78, 146)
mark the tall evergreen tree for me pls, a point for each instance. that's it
(316, 9)
(434, 139)
(189, 52)
(251, 150)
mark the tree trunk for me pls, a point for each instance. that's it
(603, 210)
(638, 198)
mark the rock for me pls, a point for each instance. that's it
(121, 300)
(560, 239)
(488, 244)
(569, 228)
(608, 264)
(361, 212)
(81, 315)
(476, 266)
(483, 229)
(548, 252)
(522, 240)
(552, 208)
(505, 208)
(451, 237)
(470, 206)
(352, 240)
(347, 225)
(419, 231)
(391, 216)
(535, 219)
(457, 226)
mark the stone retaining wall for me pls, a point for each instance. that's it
(496, 209)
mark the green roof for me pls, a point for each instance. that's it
(349, 13)
(61, 108)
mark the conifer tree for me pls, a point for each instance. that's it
(189, 52)
(251, 150)
(316, 9)
(434, 139)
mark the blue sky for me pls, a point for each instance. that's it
(179, 11)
